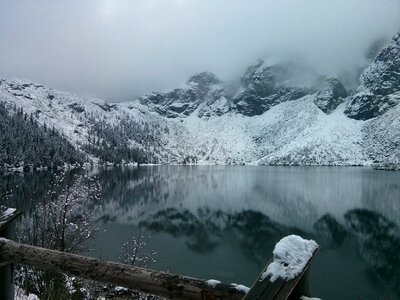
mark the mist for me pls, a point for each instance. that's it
(121, 49)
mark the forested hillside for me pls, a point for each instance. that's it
(23, 141)
(111, 143)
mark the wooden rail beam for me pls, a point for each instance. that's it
(149, 281)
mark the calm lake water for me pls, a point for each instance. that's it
(222, 222)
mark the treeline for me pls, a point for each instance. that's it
(25, 142)
(128, 141)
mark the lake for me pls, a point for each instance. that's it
(222, 222)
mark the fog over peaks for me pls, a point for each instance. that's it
(121, 49)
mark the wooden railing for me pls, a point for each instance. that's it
(172, 286)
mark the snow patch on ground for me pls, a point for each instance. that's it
(291, 255)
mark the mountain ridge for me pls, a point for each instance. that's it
(271, 119)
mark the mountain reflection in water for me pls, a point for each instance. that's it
(222, 222)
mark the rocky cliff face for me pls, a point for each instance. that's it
(380, 85)
(264, 86)
(200, 88)
(330, 95)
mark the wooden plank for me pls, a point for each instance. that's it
(149, 281)
(258, 289)
(271, 289)
(264, 289)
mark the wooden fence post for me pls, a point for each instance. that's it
(7, 230)
(281, 288)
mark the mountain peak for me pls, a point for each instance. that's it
(379, 84)
(266, 85)
(203, 79)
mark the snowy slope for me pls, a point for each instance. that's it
(71, 115)
(382, 137)
(294, 132)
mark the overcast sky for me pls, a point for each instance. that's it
(119, 49)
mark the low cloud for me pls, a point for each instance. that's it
(120, 49)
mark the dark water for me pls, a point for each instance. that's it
(223, 222)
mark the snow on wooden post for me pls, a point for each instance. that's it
(7, 230)
(291, 258)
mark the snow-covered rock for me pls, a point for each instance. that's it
(330, 95)
(380, 85)
(265, 85)
(200, 88)
(382, 77)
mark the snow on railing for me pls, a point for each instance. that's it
(7, 215)
(292, 255)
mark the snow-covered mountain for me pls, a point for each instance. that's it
(380, 85)
(272, 118)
